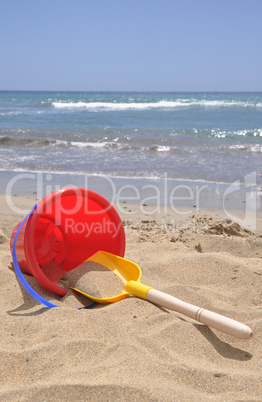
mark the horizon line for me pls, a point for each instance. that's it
(127, 91)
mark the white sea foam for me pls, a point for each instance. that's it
(241, 133)
(163, 148)
(163, 104)
(119, 146)
(250, 148)
(258, 133)
(256, 148)
(238, 147)
(89, 144)
(115, 106)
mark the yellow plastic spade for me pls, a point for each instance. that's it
(130, 273)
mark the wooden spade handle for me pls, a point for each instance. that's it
(214, 320)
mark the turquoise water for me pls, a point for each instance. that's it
(187, 136)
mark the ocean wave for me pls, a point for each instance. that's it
(114, 105)
(9, 141)
(163, 104)
(12, 113)
(117, 145)
(244, 147)
(114, 145)
(237, 133)
(160, 148)
(256, 148)
(6, 140)
(80, 144)
(99, 146)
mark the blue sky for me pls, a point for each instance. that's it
(131, 45)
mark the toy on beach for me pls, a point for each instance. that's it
(63, 230)
(130, 274)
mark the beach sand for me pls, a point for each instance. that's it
(132, 349)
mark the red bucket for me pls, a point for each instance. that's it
(66, 228)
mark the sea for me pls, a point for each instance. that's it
(208, 137)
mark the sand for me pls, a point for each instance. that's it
(132, 349)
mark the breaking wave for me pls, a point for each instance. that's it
(180, 103)
(6, 140)
(116, 145)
